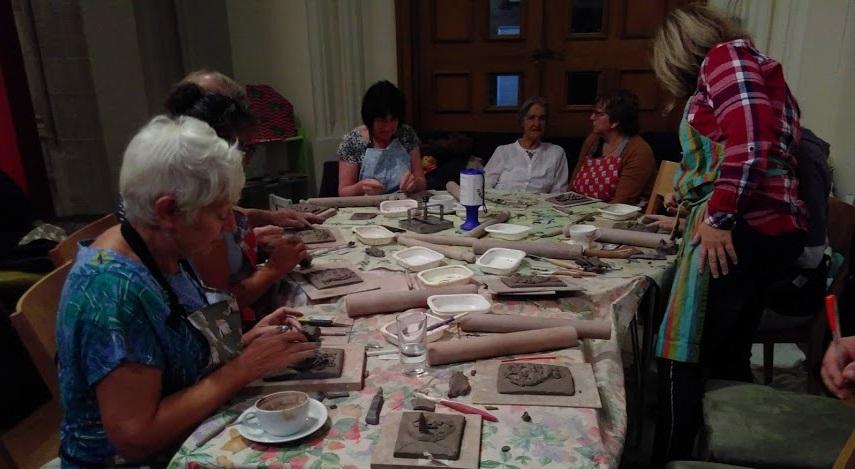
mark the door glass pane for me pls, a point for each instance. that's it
(505, 17)
(586, 16)
(504, 89)
(582, 88)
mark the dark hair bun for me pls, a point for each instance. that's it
(183, 98)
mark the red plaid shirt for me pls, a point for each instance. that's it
(743, 102)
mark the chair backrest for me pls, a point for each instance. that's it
(841, 230)
(663, 185)
(67, 248)
(35, 320)
(846, 458)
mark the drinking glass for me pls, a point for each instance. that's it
(412, 341)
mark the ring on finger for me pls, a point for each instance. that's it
(283, 328)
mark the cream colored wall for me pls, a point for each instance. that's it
(270, 44)
(815, 42)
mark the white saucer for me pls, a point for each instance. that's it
(316, 419)
(594, 244)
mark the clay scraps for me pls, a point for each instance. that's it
(458, 385)
(374, 251)
(593, 264)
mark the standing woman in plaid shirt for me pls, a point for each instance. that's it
(745, 221)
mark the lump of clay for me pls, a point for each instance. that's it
(374, 251)
(423, 404)
(532, 281)
(458, 385)
(441, 435)
(329, 278)
(536, 379)
(372, 417)
(312, 333)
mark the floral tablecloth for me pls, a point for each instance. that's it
(555, 437)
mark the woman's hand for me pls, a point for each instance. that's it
(286, 254)
(408, 182)
(267, 354)
(273, 323)
(371, 187)
(716, 248)
(294, 219)
(664, 222)
(838, 368)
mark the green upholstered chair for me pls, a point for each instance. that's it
(757, 426)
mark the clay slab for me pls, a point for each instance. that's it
(532, 281)
(326, 365)
(535, 378)
(382, 455)
(446, 429)
(484, 390)
(495, 285)
(351, 378)
(316, 294)
(329, 278)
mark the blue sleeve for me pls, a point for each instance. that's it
(113, 326)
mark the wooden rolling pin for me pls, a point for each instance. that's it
(549, 249)
(328, 213)
(481, 230)
(476, 348)
(632, 238)
(461, 253)
(453, 189)
(373, 302)
(441, 239)
(355, 201)
(585, 329)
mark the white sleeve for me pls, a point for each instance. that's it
(494, 168)
(562, 173)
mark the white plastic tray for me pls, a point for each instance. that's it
(500, 261)
(450, 305)
(373, 235)
(390, 331)
(620, 211)
(445, 276)
(418, 258)
(508, 231)
(397, 208)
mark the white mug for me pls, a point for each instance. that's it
(583, 235)
(281, 413)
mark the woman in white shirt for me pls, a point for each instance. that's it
(529, 164)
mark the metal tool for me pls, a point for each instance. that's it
(420, 221)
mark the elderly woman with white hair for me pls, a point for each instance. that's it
(144, 353)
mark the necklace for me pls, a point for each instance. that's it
(529, 151)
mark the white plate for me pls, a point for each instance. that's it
(417, 258)
(316, 419)
(373, 235)
(620, 211)
(390, 332)
(450, 305)
(445, 276)
(397, 208)
(508, 231)
(500, 261)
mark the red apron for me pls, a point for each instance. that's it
(598, 176)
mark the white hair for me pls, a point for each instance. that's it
(181, 157)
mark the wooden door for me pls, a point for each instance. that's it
(460, 60)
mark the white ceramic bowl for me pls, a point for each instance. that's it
(445, 275)
(373, 235)
(397, 208)
(450, 305)
(620, 211)
(508, 231)
(418, 258)
(500, 261)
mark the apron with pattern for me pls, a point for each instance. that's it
(598, 177)
(386, 165)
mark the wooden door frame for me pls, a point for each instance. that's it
(406, 32)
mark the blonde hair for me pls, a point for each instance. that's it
(682, 43)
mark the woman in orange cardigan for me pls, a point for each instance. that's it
(615, 165)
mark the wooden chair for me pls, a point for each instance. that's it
(663, 185)
(67, 248)
(811, 332)
(35, 321)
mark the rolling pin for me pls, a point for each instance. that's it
(476, 348)
(482, 322)
(549, 249)
(453, 189)
(460, 253)
(373, 302)
(355, 201)
(481, 230)
(632, 238)
(440, 239)
(327, 213)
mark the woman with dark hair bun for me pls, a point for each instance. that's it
(230, 117)
(382, 155)
(615, 164)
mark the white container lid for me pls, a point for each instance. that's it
(500, 261)
(508, 230)
(445, 276)
(373, 234)
(390, 330)
(620, 211)
(397, 208)
(450, 305)
(418, 258)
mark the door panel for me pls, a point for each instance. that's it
(470, 63)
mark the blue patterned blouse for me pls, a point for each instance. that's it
(112, 311)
